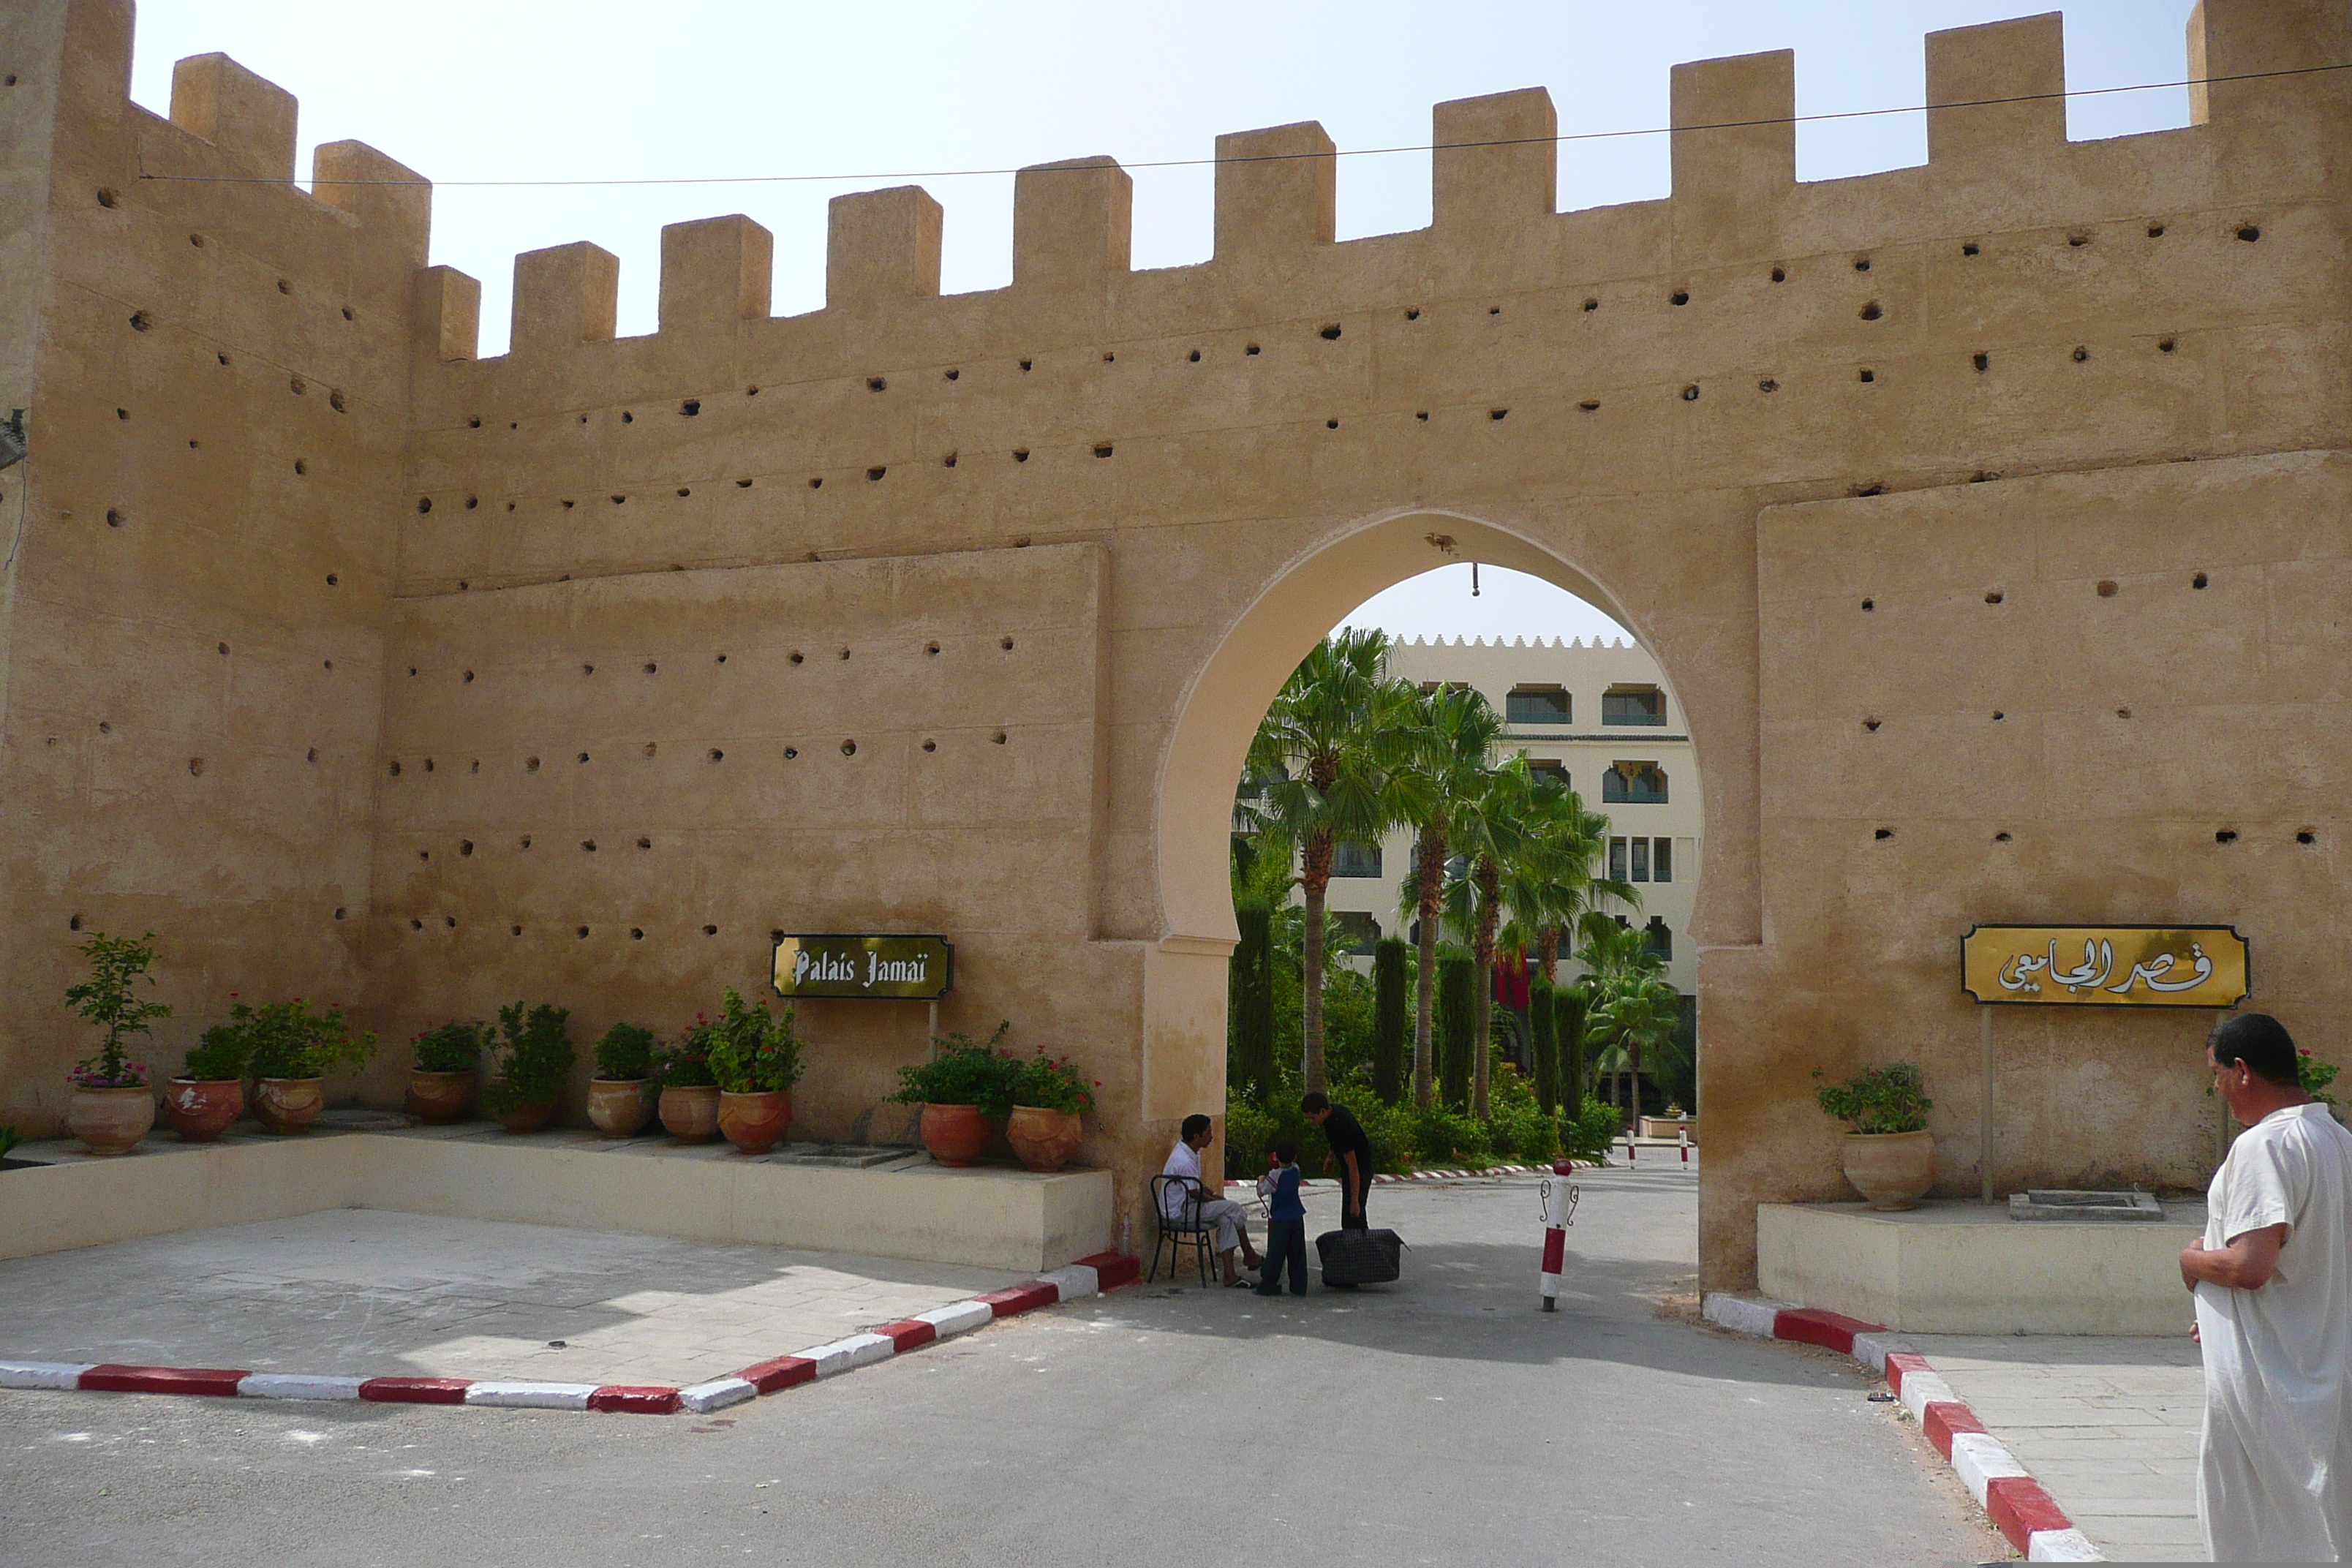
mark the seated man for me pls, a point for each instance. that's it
(1226, 1216)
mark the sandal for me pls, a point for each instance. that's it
(1240, 1282)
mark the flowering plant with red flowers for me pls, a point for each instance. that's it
(1052, 1083)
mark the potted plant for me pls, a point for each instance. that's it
(209, 1092)
(535, 1056)
(441, 1084)
(112, 1107)
(690, 1094)
(1049, 1095)
(293, 1049)
(618, 1103)
(1890, 1155)
(756, 1060)
(963, 1089)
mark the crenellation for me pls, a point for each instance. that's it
(1494, 169)
(392, 204)
(716, 274)
(1969, 69)
(448, 314)
(1735, 154)
(2243, 39)
(248, 121)
(881, 247)
(563, 295)
(1073, 225)
(1277, 193)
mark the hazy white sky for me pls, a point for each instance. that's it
(875, 92)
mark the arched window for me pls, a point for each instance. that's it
(1633, 784)
(1628, 704)
(1661, 938)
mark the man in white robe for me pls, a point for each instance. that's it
(2273, 1280)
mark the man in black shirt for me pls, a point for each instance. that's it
(1350, 1156)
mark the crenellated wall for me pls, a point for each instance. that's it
(1160, 487)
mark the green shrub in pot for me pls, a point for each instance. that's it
(534, 1057)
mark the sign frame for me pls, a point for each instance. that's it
(2120, 1004)
(946, 976)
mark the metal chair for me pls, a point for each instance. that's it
(1187, 1230)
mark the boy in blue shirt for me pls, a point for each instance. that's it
(1286, 1222)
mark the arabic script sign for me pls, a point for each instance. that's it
(2104, 966)
(892, 968)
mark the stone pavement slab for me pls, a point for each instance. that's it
(2108, 1426)
(364, 1292)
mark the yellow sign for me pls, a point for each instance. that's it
(2106, 967)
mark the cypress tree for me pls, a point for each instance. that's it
(1458, 1017)
(1392, 1019)
(1543, 1023)
(1250, 980)
(1568, 1030)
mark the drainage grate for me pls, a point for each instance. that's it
(2064, 1203)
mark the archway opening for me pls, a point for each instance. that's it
(1577, 701)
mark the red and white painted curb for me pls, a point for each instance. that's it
(2020, 1509)
(1088, 1277)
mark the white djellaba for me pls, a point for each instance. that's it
(2274, 1473)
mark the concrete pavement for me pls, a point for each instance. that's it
(2108, 1426)
(1442, 1421)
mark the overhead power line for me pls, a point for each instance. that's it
(1283, 157)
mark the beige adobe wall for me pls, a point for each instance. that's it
(1649, 454)
(179, 756)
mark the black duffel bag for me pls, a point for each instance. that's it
(1359, 1256)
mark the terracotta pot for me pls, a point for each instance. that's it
(955, 1134)
(288, 1105)
(200, 1110)
(1045, 1140)
(619, 1107)
(527, 1118)
(438, 1099)
(755, 1123)
(1893, 1170)
(111, 1120)
(690, 1113)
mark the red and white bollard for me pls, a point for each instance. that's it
(1685, 1133)
(1560, 1196)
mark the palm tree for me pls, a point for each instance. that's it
(1632, 1007)
(1489, 826)
(1328, 749)
(1455, 731)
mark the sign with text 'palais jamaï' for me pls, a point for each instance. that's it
(864, 968)
(2106, 967)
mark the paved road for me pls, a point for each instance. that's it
(1445, 1422)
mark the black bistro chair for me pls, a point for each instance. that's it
(1188, 1229)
